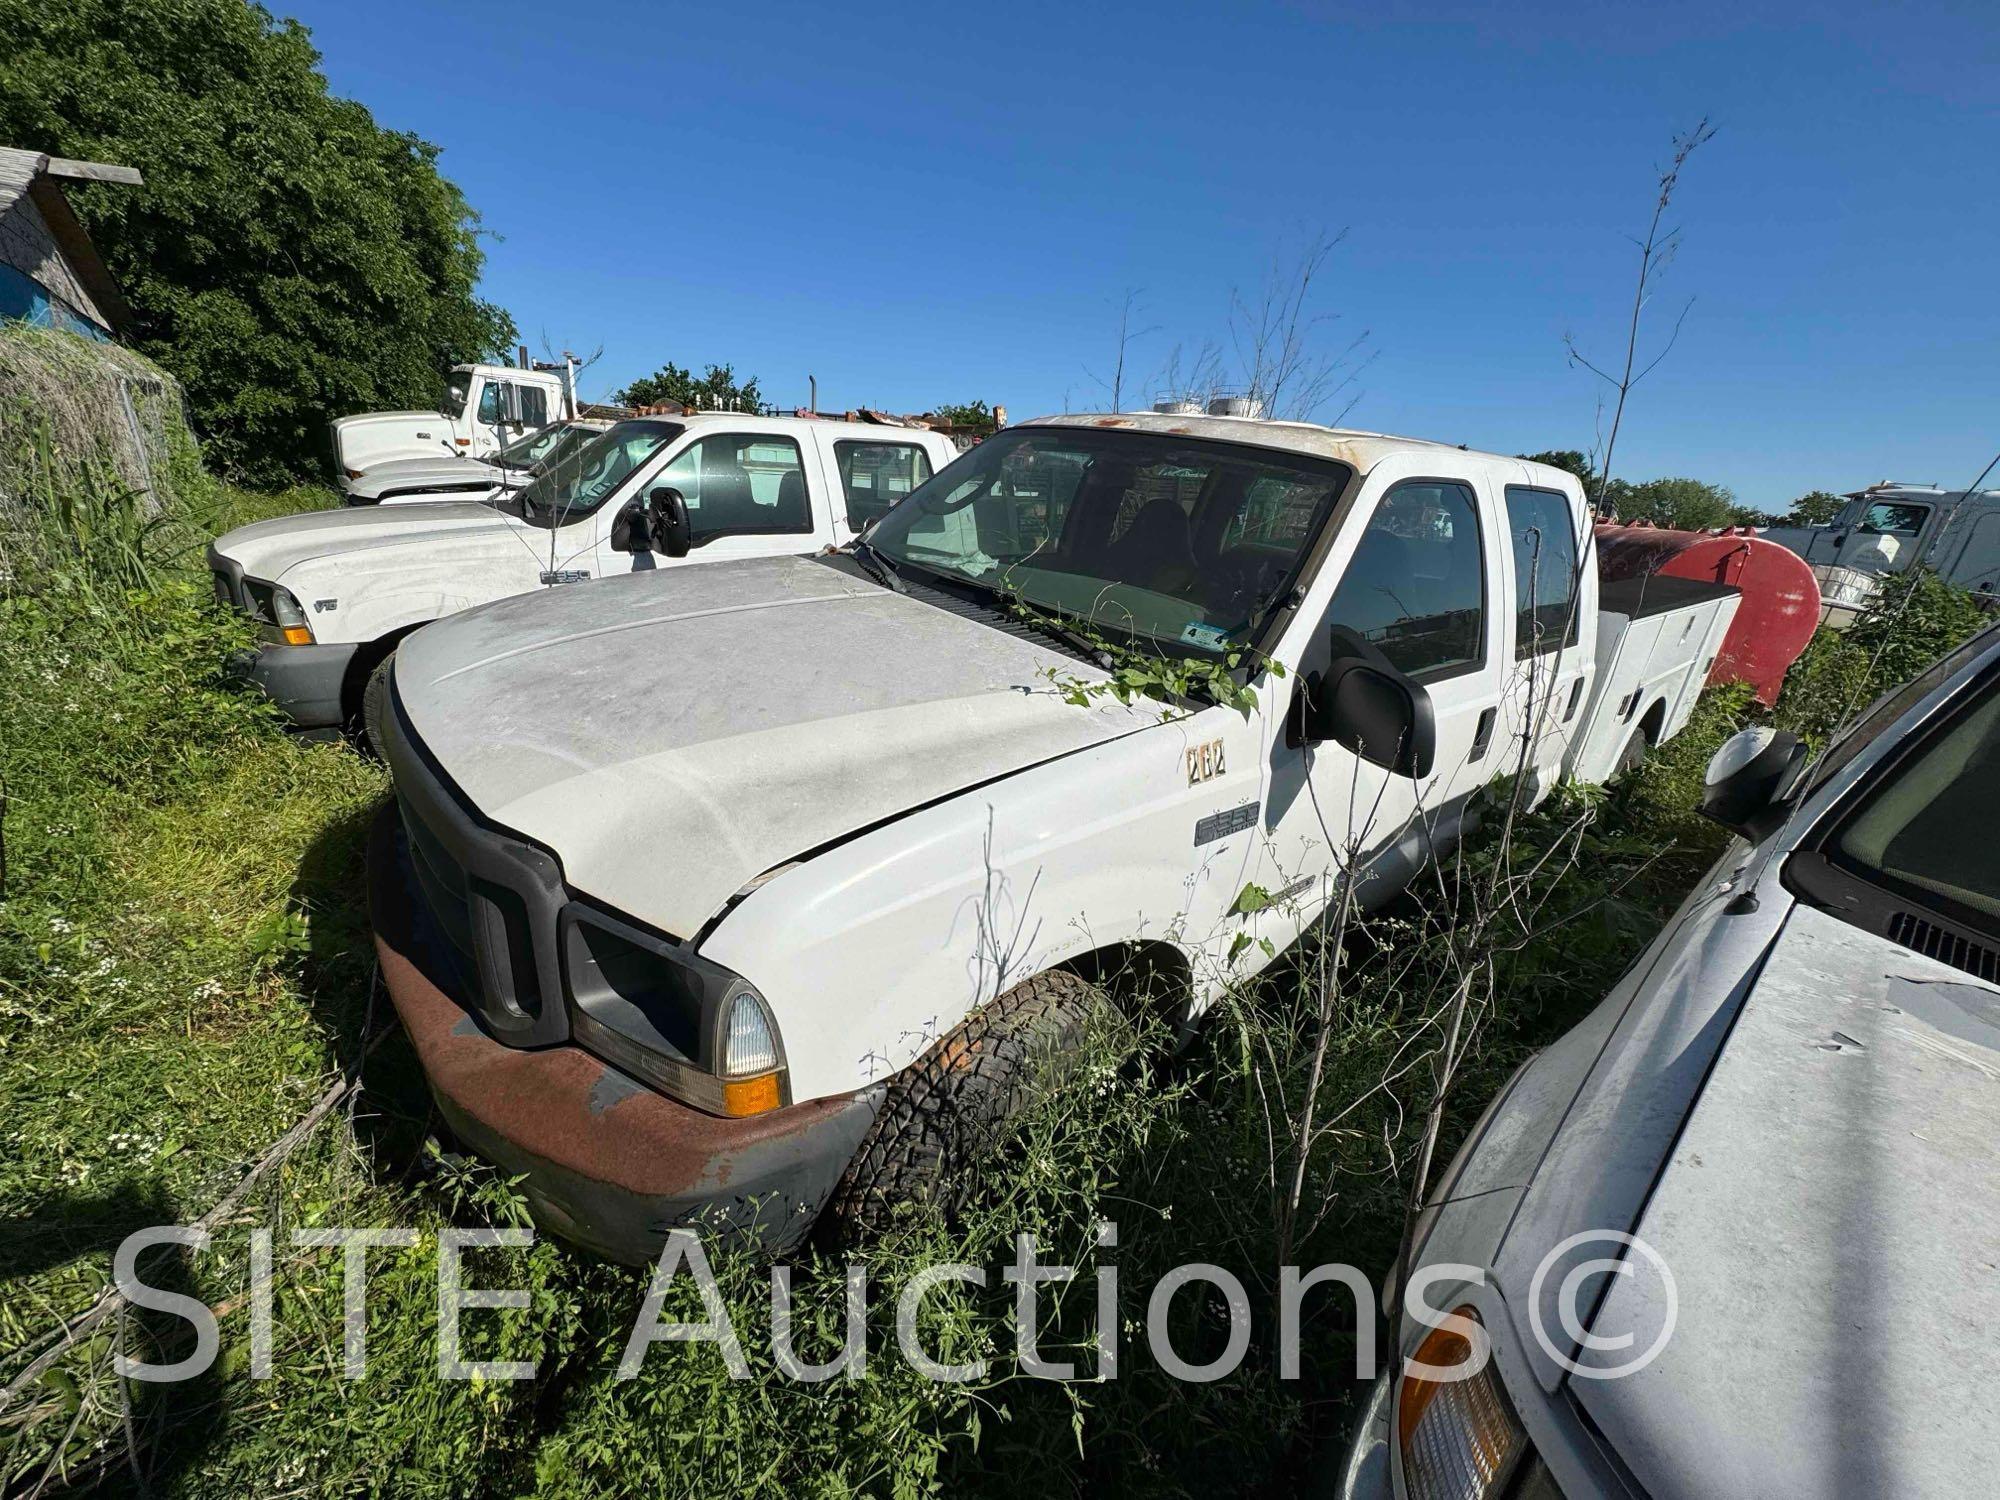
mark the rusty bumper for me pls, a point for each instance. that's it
(606, 1162)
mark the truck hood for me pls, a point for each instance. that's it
(424, 473)
(1830, 1217)
(672, 735)
(270, 549)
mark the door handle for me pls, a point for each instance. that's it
(1482, 736)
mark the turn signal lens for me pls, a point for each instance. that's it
(751, 1096)
(298, 635)
(1459, 1438)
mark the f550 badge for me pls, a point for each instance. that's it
(1204, 762)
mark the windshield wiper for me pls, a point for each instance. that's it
(1035, 618)
(877, 566)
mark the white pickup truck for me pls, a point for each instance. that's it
(334, 591)
(485, 407)
(749, 894)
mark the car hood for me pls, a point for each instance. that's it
(269, 549)
(406, 473)
(1831, 1220)
(673, 735)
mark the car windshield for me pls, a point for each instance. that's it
(583, 478)
(1175, 539)
(456, 388)
(1929, 826)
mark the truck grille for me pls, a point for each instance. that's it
(494, 899)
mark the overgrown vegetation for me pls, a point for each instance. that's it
(184, 967)
(288, 257)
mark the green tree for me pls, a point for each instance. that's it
(719, 389)
(1681, 504)
(1815, 508)
(975, 416)
(1567, 459)
(288, 259)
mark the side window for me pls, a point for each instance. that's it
(742, 484)
(489, 402)
(534, 406)
(1544, 530)
(874, 476)
(1416, 585)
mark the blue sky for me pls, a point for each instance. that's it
(944, 203)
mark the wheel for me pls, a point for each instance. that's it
(1633, 753)
(958, 1103)
(375, 704)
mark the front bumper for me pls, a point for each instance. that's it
(604, 1161)
(307, 682)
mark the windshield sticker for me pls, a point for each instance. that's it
(1213, 637)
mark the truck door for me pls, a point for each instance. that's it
(507, 409)
(1552, 586)
(1417, 582)
(868, 477)
(1976, 565)
(747, 495)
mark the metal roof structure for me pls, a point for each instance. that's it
(41, 237)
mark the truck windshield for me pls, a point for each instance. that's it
(544, 447)
(582, 479)
(1152, 535)
(456, 388)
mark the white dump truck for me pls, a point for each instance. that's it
(749, 893)
(334, 591)
(484, 408)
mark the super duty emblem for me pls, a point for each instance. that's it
(566, 575)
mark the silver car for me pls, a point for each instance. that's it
(1738, 1233)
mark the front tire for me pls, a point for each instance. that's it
(954, 1107)
(375, 705)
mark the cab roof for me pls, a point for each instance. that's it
(1359, 450)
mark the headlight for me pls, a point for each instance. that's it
(690, 1028)
(273, 605)
(1459, 1438)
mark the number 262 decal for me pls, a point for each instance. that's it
(1204, 762)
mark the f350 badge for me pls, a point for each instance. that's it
(1204, 762)
(565, 575)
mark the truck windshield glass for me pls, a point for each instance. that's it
(581, 480)
(543, 447)
(1928, 828)
(456, 388)
(1147, 534)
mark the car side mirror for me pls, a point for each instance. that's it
(1749, 780)
(667, 518)
(1362, 702)
(631, 528)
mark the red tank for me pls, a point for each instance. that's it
(1780, 608)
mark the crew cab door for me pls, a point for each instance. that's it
(1413, 571)
(867, 476)
(755, 490)
(1550, 586)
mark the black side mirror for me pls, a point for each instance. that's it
(1362, 702)
(631, 528)
(1748, 785)
(667, 517)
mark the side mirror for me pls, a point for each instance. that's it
(631, 528)
(667, 519)
(1749, 780)
(1364, 703)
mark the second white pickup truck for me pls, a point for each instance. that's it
(335, 591)
(755, 891)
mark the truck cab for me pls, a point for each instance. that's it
(763, 854)
(335, 591)
(483, 409)
(1890, 528)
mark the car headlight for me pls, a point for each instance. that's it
(276, 606)
(688, 1027)
(1458, 1436)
